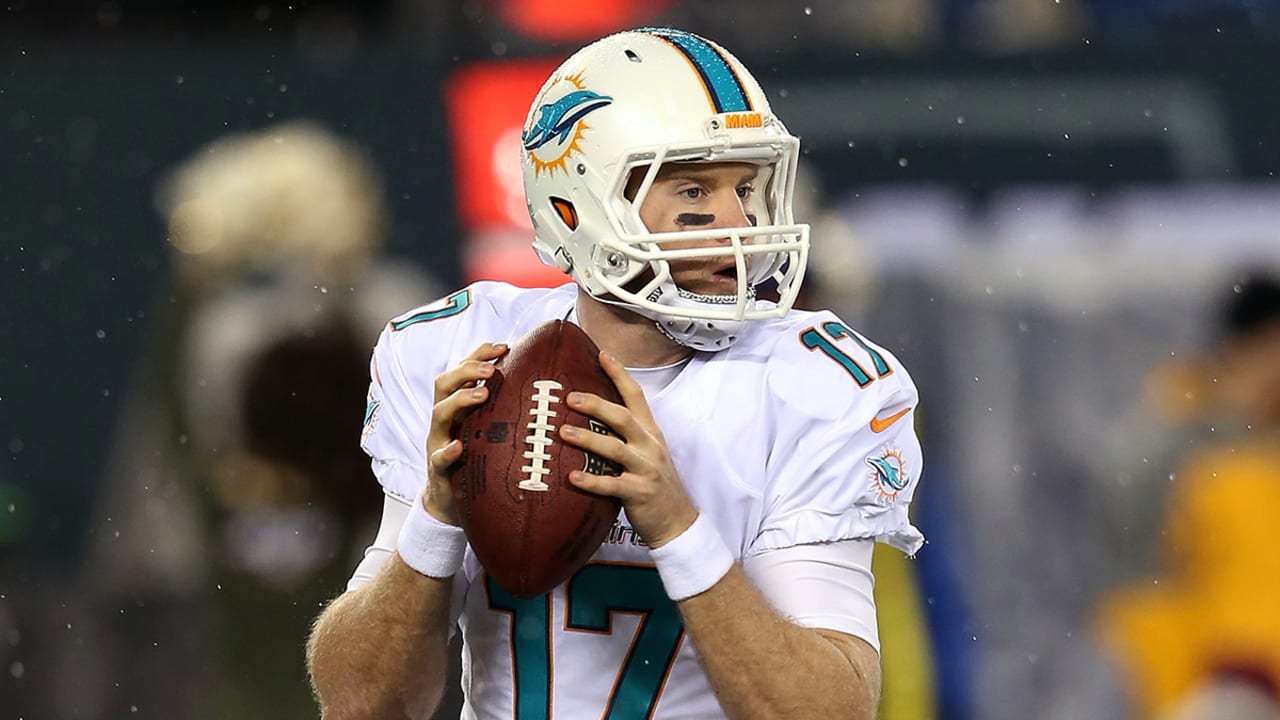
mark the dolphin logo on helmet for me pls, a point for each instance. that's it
(556, 120)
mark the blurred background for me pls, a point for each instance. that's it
(1061, 215)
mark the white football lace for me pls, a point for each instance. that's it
(539, 439)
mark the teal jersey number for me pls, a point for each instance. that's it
(592, 597)
(530, 649)
(815, 340)
(453, 305)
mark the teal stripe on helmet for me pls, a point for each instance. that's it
(722, 83)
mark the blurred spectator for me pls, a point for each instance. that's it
(229, 514)
(1202, 639)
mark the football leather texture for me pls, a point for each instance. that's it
(530, 528)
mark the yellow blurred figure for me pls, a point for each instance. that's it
(1212, 620)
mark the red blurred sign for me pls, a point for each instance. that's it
(486, 105)
(564, 20)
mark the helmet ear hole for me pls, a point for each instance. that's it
(565, 211)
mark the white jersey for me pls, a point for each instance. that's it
(799, 433)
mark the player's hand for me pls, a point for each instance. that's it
(457, 390)
(649, 487)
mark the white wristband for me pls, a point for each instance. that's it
(429, 546)
(694, 561)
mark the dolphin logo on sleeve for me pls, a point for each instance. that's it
(888, 474)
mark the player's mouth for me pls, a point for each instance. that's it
(714, 277)
(726, 274)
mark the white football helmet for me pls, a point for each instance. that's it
(639, 99)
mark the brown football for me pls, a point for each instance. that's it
(530, 528)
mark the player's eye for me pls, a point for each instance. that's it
(745, 191)
(691, 193)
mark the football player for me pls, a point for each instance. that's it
(765, 450)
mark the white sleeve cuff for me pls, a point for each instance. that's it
(823, 585)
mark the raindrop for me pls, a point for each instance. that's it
(959, 119)
(17, 670)
(101, 334)
(902, 162)
(808, 11)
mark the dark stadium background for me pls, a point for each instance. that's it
(100, 100)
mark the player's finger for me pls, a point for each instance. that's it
(616, 416)
(632, 393)
(466, 373)
(475, 367)
(446, 412)
(441, 460)
(609, 485)
(488, 351)
(606, 446)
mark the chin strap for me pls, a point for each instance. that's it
(697, 333)
(698, 341)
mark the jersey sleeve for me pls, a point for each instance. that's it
(847, 460)
(412, 351)
(395, 423)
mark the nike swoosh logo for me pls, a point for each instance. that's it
(879, 425)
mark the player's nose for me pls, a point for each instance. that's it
(730, 212)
